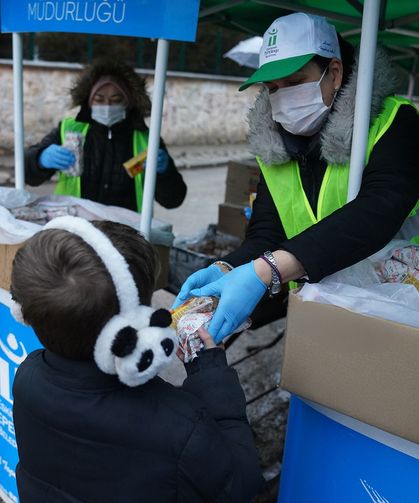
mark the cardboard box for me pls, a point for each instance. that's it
(8, 252)
(361, 366)
(242, 180)
(231, 219)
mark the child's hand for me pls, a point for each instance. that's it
(206, 338)
(208, 341)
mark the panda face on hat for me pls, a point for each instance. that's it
(137, 343)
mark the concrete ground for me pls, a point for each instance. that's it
(259, 373)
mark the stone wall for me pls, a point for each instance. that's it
(198, 110)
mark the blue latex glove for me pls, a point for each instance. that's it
(240, 290)
(197, 280)
(247, 210)
(56, 157)
(162, 161)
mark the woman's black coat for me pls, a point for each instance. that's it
(104, 178)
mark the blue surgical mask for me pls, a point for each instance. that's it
(108, 114)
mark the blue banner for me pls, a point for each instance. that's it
(16, 342)
(326, 461)
(168, 19)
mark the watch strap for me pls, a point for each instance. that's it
(276, 280)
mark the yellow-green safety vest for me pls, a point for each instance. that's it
(71, 185)
(285, 186)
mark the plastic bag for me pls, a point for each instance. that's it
(14, 198)
(14, 230)
(391, 301)
(369, 287)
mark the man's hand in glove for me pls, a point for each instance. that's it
(197, 280)
(239, 291)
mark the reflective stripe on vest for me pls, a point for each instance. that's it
(285, 186)
(71, 186)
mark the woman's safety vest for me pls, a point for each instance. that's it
(285, 186)
(71, 185)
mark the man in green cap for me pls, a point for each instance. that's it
(300, 130)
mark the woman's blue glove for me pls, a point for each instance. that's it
(56, 157)
(240, 290)
(162, 161)
(197, 280)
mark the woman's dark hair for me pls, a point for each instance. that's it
(67, 294)
(347, 52)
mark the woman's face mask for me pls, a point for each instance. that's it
(300, 109)
(108, 114)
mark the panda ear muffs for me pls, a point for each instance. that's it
(161, 318)
(16, 311)
(133, 347)
(137, 343)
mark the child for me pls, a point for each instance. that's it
(94, 423)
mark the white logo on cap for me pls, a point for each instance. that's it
(326, 46)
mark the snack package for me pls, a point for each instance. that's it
(74, 141)
(195, 313)
(401, 267)
(135, 165)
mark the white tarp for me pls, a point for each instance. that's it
(14, 230)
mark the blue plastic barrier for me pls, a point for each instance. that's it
(332, 458)
(16, 341)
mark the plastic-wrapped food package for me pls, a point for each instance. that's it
(193, 314)
(401, 267)
(74, 142)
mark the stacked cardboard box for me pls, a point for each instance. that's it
(242, 180)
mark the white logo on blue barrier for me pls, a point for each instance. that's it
(16, 341)
(373, 494)
(8, 368)
(14, 346)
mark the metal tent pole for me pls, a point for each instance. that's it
(412, 79)
(154, 135)
(18, 110)
(364, 85)
(411, 86)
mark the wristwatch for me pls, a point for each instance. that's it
(275, 285)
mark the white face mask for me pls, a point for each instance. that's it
(108, 114)
(300, 109)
